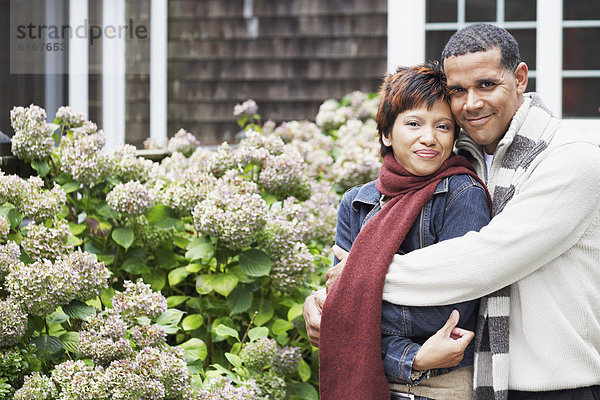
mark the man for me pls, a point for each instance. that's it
(542, 245)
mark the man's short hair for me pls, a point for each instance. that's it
(406, 89)
(483, 37)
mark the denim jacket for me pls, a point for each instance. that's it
(459, 205)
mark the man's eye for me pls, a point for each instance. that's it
(487, 84)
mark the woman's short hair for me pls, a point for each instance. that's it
(408, 88)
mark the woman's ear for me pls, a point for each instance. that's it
(387, 142)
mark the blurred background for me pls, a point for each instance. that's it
(186, 63)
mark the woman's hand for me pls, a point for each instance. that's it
(334, 272)
(444, 349)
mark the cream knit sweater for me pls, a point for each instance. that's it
(546, 245)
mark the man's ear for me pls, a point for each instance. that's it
(521, 77)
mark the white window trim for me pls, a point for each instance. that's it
(113, 75)
(158, 71)
(406, 46)
(78, 97)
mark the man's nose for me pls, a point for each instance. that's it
(473, 101)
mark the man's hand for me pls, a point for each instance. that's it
(333, 272)
(444, 349)
(312, 310)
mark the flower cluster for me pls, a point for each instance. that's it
(130, 199)
(36, 387)
(13, 322)
(358, 160)
(10, 254)
(148, 335)
(39, 204)
(78, 381)
(232, 212)
(259, 355)
(271, 385)
(183, 142)
(42, 286)
(92, 275)
(125, 165)
(248, 107)
(103, 338)
(221, 388)
(44, 242)
(69, 118)
(138, 300)
(320, 213)
(33, 136)
(283, 175)
(4, 227)
(82, 158)
(146, 235)
(291, 268)
(31, 198)
(357, 105)
(286, 360)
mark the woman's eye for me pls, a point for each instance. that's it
(412, 123)
(444, 127)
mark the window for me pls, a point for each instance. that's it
(558, 41)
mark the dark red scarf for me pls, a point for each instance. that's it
(350, 338)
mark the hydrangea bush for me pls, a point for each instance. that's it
(124, 278)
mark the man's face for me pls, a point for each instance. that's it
(484, 94)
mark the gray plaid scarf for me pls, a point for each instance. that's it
(528, 136)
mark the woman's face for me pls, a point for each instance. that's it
(422, 139)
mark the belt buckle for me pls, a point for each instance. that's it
(402, 396)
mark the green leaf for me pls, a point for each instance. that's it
(180, 241)
(177, 276)
(295, 311)
(165, 258)
(162, 217)
(98, 228)
(78, 310)
(174, 301)
(234, 359)
(57, 317)
(265, 312)
(280, 326)
(269, 198)
(107, 212)
(304, 370)
(304, 391)
(192, 322)
(200, 248)
(204, 284)
(224, 283)
(156, 278)
(76, 229)
(194, 268)
(170, 317)
(255, 262)
(107, 259)
(13, 215)
(226, 331)
(41, 167)
(74, 241)
(106, 296)
(257, 333)
(135, 266)
(239, 300)
(46, 345)
(123, 236)
(70, 187)
(195, 349)
(70, 341)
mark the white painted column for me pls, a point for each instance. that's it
(158, 71)
(54, 65)
(406, 33)
(78, 59)
(113, 73)
(549, 47)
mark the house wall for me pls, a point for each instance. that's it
(287, 55)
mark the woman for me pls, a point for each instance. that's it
(424, 194)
